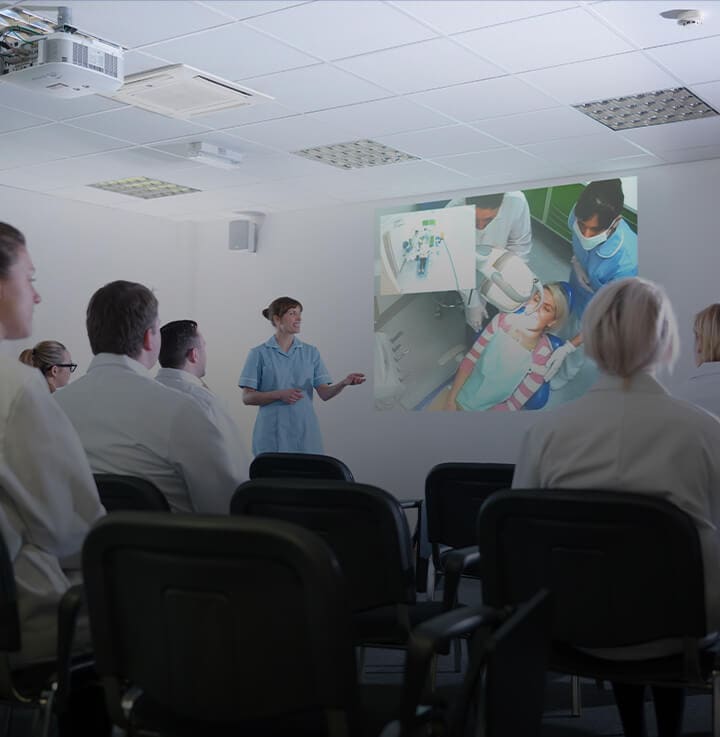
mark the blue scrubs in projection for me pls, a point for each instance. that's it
(614, 259)
(282, 427)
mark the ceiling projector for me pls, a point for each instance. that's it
(65, 65)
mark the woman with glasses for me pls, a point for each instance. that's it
(54, 361)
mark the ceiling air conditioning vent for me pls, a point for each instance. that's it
(183, 92)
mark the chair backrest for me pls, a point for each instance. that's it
(118, 492)
(504, 684)
(298, 466)
(10, 637)
(624, 568)
(454, 493)
(364, 526)
(218, 619)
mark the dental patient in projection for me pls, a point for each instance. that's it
(505, 367)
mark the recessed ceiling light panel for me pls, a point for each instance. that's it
(143, 187)
(355, 154)
(647, 108)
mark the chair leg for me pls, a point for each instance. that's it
(715, 703)
(575, 696)
(360, 657)
(457, 654)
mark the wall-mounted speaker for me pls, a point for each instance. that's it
(242, 236)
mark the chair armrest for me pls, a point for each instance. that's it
(68, 611)
(455, 563)
(431, 637)
(411, 503)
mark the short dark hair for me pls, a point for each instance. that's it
(11, 241)
(278, 307)
(178, 337)
(486, 201)
(118, 315)
(603, 198)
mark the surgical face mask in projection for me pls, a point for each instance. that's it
(588, 243)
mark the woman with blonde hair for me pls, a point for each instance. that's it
(627, 433)
(703, 385)
(54, 361)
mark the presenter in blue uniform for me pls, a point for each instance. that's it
(604, 249)
(279, 377)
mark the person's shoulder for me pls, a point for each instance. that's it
(694, 416)
(17, 378)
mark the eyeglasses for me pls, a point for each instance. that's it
(71, 366)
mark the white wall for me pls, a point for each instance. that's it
(78, 247)
(324, 258)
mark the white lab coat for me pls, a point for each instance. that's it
(213, 406)
(703, 387)
(48, 502)
(640, 440)
(510, 228)
(131, 424)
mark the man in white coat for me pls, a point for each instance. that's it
(131, 424)
(183, 361)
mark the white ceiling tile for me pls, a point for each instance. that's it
(692, 61)
(263, 110)
(584, 148)
(541, 125)
(133, 23)
(99, 168)
(420, 66)
(669, 136)
(50, 142)
(137, 126)
(180, 146)
(342, 28)
(497, 161)
(211, 178)
(453, 139)
(291, 134)
(485, 99)
(233, 52)
(137, 61)
(642, 23)
(622, 165)
(273, 166)
(315, 88)
(11, 120)
(545, 41)
(93, 196)
(694, 153)
(453, 16)
(709, 92)
(249, 8)
(46, 106)
(381, 117)
(598, 79)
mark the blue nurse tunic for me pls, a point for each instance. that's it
(279, 426)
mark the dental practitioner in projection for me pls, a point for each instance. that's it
(604, 250)
(279, 377)
(506, 365)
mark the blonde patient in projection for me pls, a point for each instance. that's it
(506, 364)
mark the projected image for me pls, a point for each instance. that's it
(427, 251)
(506, 335)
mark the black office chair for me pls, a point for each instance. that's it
(231, 625)
(368, 532)
(298, 465)
(119, 492)
(623, 569)
(454, 493)
(33, 696)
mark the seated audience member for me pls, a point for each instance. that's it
(183, 358)
(130, 424)
(703, 385)
(54, 361)
(49, 500)
(627, 433)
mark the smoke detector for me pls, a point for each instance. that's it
(684, 17)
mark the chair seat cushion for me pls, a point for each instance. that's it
(387, 624)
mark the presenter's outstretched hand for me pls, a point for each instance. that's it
(353, 379)
(290, 396)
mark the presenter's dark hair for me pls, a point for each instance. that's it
(118, 316)
(486, 201)
(278, 307)
(177, 338)
(11, 241)
(603, 198)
